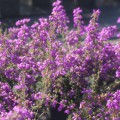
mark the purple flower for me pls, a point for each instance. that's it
(54, 103)
(107, 32)
(113, 104)
(67, 111)
(72, 38)
(118, 20)
(61, 107)
(22, 22)
(59, 18)
(77, 17)
(58, 2)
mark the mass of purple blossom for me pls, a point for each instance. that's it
(48, 65)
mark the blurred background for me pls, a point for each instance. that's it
(12, 10)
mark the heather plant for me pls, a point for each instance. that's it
(48, 65)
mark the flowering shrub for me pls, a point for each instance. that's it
(47, 65)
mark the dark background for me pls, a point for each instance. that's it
(12, 10)
(15, 8)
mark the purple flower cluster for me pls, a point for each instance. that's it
(18, 113)
(58, 18)
(107, 32)
(47, 64)
(113, 105)
(22, 22)
(77, 17)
